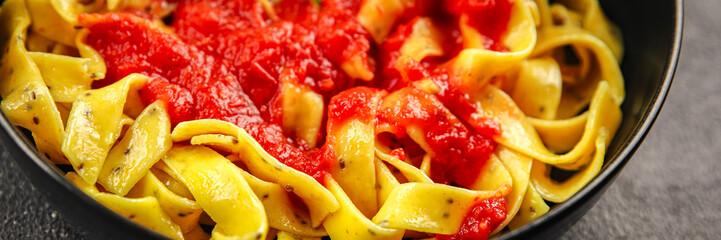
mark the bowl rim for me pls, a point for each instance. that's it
(611, 170)
(599, 183)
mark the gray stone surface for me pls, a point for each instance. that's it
(670, 190)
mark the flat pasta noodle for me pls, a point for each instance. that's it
(349, 223)
(355, 171)
(352, 142)
(219, 187)
(520, 135)
(145, 142)
(221, 142)
(145, 211)
(538, 88)
(66, 77)
(576, 97)
(411, 173)
(69, 10)
(385, 181)
(540, 12)
(558, 192)
(425, 41)
(531, 208)
(594, 20)
(378, 16)
(478, 65)
(302, 112)
(320, 201)
(281, 212)
(96, 65)
(37, 43)
(289, 236)
(493, 175)
(519, 166)
(94, 125)
(26, 101)
(182, 211)
(560, 135)
(173, 184)
(197, 234)
(48, 23)
(430, 207)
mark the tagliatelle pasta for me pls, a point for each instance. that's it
(305, 119)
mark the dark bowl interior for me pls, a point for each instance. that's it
(652, 32)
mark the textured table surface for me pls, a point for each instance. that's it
(671, 189)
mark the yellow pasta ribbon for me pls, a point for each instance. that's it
(538, 88)
(354, 164)
(478, 65)
(66, 77)
(425, 40)
(319, 200)
(492, 176)
(430, 207)
(578, 95)
(282, 215)
(519, 134)
(559, 192)
(96, 65)
(26, 101)
(174, 185)
(564, 17)
(290, 236)
(302, 112)
(519, 167)
(145, 211)
(355, 170)
(37, 43)
(379, 16)
(219, 187)
(147, 140)
(181, 210)
(560, 135)
(385, 182)
(544, 13)
(196, 233)
(48, 23)
(94, 125)
(220, 142)
(349, 223)
(595, 20)
(531, 208)
(411, 173)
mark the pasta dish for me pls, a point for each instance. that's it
(310, 119)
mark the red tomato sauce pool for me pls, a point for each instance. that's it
(226, 60)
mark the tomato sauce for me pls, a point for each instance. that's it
(489, 17)
(459, 152)
(484, 217)
(226, 60)
(359, 103)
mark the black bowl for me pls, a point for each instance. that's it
(652, 32)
